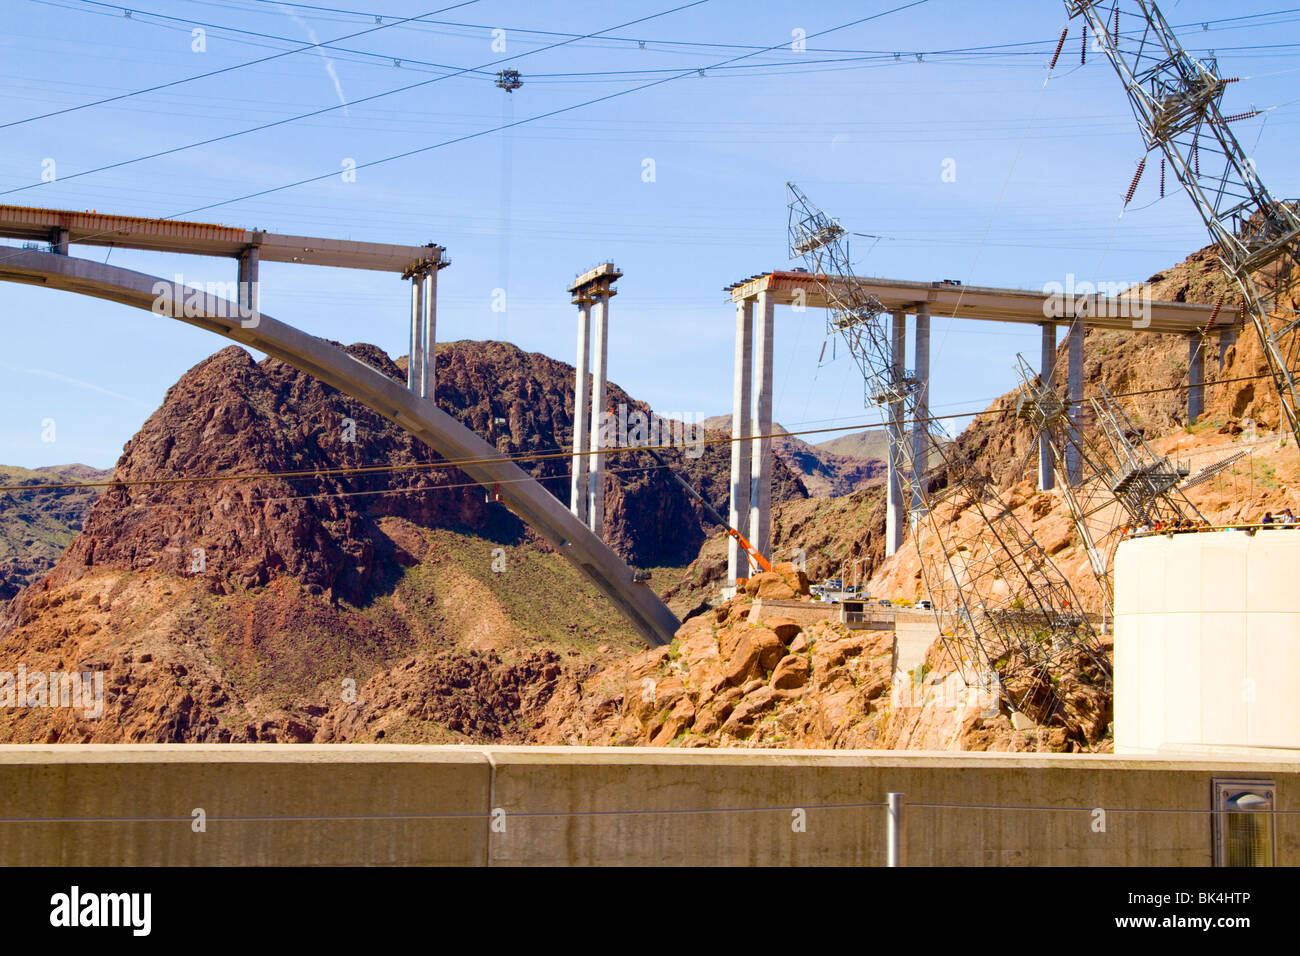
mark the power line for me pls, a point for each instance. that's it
(480, 133)
(227, 69)
(329, 109)
(545, 456)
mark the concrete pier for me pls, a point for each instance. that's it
(741, 427)
(1046, 366)
(415, 362)
(246, 273)
(1073, 465)
(1195, 376)
(421, 371)
(895, 509)
(920, 427)
(429, 321)
(581, 411)
(591, 292)
(1227, 339)
(596, 469)
(760, 517)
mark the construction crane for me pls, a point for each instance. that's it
(1176, 100)
(1120, 479)
(756, 559)
(1008, 618)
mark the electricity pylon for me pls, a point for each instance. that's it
(1007, 616)
(1121, 480)
(1176, 101)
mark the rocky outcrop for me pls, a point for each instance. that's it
(731, 679)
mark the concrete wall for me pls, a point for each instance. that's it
(1207, 640)
(284, 804)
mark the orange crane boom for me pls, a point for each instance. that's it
(756, 560)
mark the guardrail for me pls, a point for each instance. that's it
(1202, 529)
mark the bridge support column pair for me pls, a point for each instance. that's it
(1074, 395)
(591, 292)
(751, 430)
(421, 368)
(897, 462)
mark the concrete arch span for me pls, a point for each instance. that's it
(421, 418)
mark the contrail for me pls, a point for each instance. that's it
(320, 50)
(44, 373)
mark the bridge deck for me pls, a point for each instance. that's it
(207, 239)
(985, 303)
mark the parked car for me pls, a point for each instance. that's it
(885, 602)
(925, 605)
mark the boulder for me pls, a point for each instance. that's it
(796, 577)
(790, 673)
(770, 647)
(772, 587)
(742, 661)
(742, 719)
(783, 627)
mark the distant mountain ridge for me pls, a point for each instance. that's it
(828, 469)
(36, 528)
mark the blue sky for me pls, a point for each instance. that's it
(1040, 175)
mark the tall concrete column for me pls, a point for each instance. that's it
(596, 475)
(59, 241)
(1046, 365)
(415, 363)
(1073, 466)
(895, 511)
(246, 275)
(581, 411)
(760, 495)
(429, 334)
(741, 426)
(920, 427)
(1195, 377)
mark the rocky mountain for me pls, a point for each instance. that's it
(872, 443)
(349, 558)
(36, 527)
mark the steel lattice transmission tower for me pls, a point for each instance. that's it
(1176, 101)
(1007, 616)
(1121, 478)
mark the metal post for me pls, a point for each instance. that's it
(760, 495)
(894, 829)
(1046, 366)
(895, 511)
(581, 410)
(741, 427)
(596, 474)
